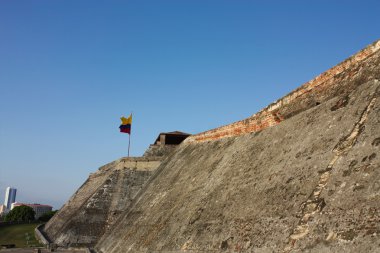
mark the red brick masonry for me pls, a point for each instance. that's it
(296, 101)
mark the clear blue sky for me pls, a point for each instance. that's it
(70, 69)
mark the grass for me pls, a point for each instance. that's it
(21, 235)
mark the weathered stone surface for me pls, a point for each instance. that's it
(309, 184)
(336, 81)
(159, 150)
(302, 175)
(100, 201)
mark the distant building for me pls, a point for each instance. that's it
(10, 197)
(3, 210)
(38, 208)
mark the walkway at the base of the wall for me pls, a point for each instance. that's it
(40, 235)
(50, 247)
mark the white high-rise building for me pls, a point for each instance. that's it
(10, 197)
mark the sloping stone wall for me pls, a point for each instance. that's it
(159, 150)
(340, 79)
(95, 207)
(306, 185)
(310, 184)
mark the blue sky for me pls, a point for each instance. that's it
(70, 69)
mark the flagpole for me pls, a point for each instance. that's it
(129, 141)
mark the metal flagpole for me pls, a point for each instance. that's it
(130, 132)
(129, 143)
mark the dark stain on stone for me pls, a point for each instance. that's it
(346, 173)
(270, 190)
(324, 170)
(361, 129)
(320, 204)
(372, 230)
(289, 180)
(224, 245)
(277, 117)
(367, 168)
(348, 235)
(376, 142)
(364, 159)
(358, 187)
(372, 156)
(196, 216)
(352, 164)
(342, 102)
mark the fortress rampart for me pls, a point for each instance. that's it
(134, 163)
(314, 187)
(312, 93)
(106, 194)
(99, 201)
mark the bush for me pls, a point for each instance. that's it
(20, 213)
(47, 216)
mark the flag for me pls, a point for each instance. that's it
(126, 124)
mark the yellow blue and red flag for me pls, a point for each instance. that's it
(126, 124)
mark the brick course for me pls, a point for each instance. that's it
(321, 88)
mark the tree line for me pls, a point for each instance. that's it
(26, 214)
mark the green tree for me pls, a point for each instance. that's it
(47, 216)
(20, 213)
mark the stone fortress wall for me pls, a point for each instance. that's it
(97, 204)
(313, 189)
(310, 184)
(133, 163)
(312, 93)
(106, 194)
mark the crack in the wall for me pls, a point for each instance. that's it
(315, 203)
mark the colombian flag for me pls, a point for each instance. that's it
(126, 124)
